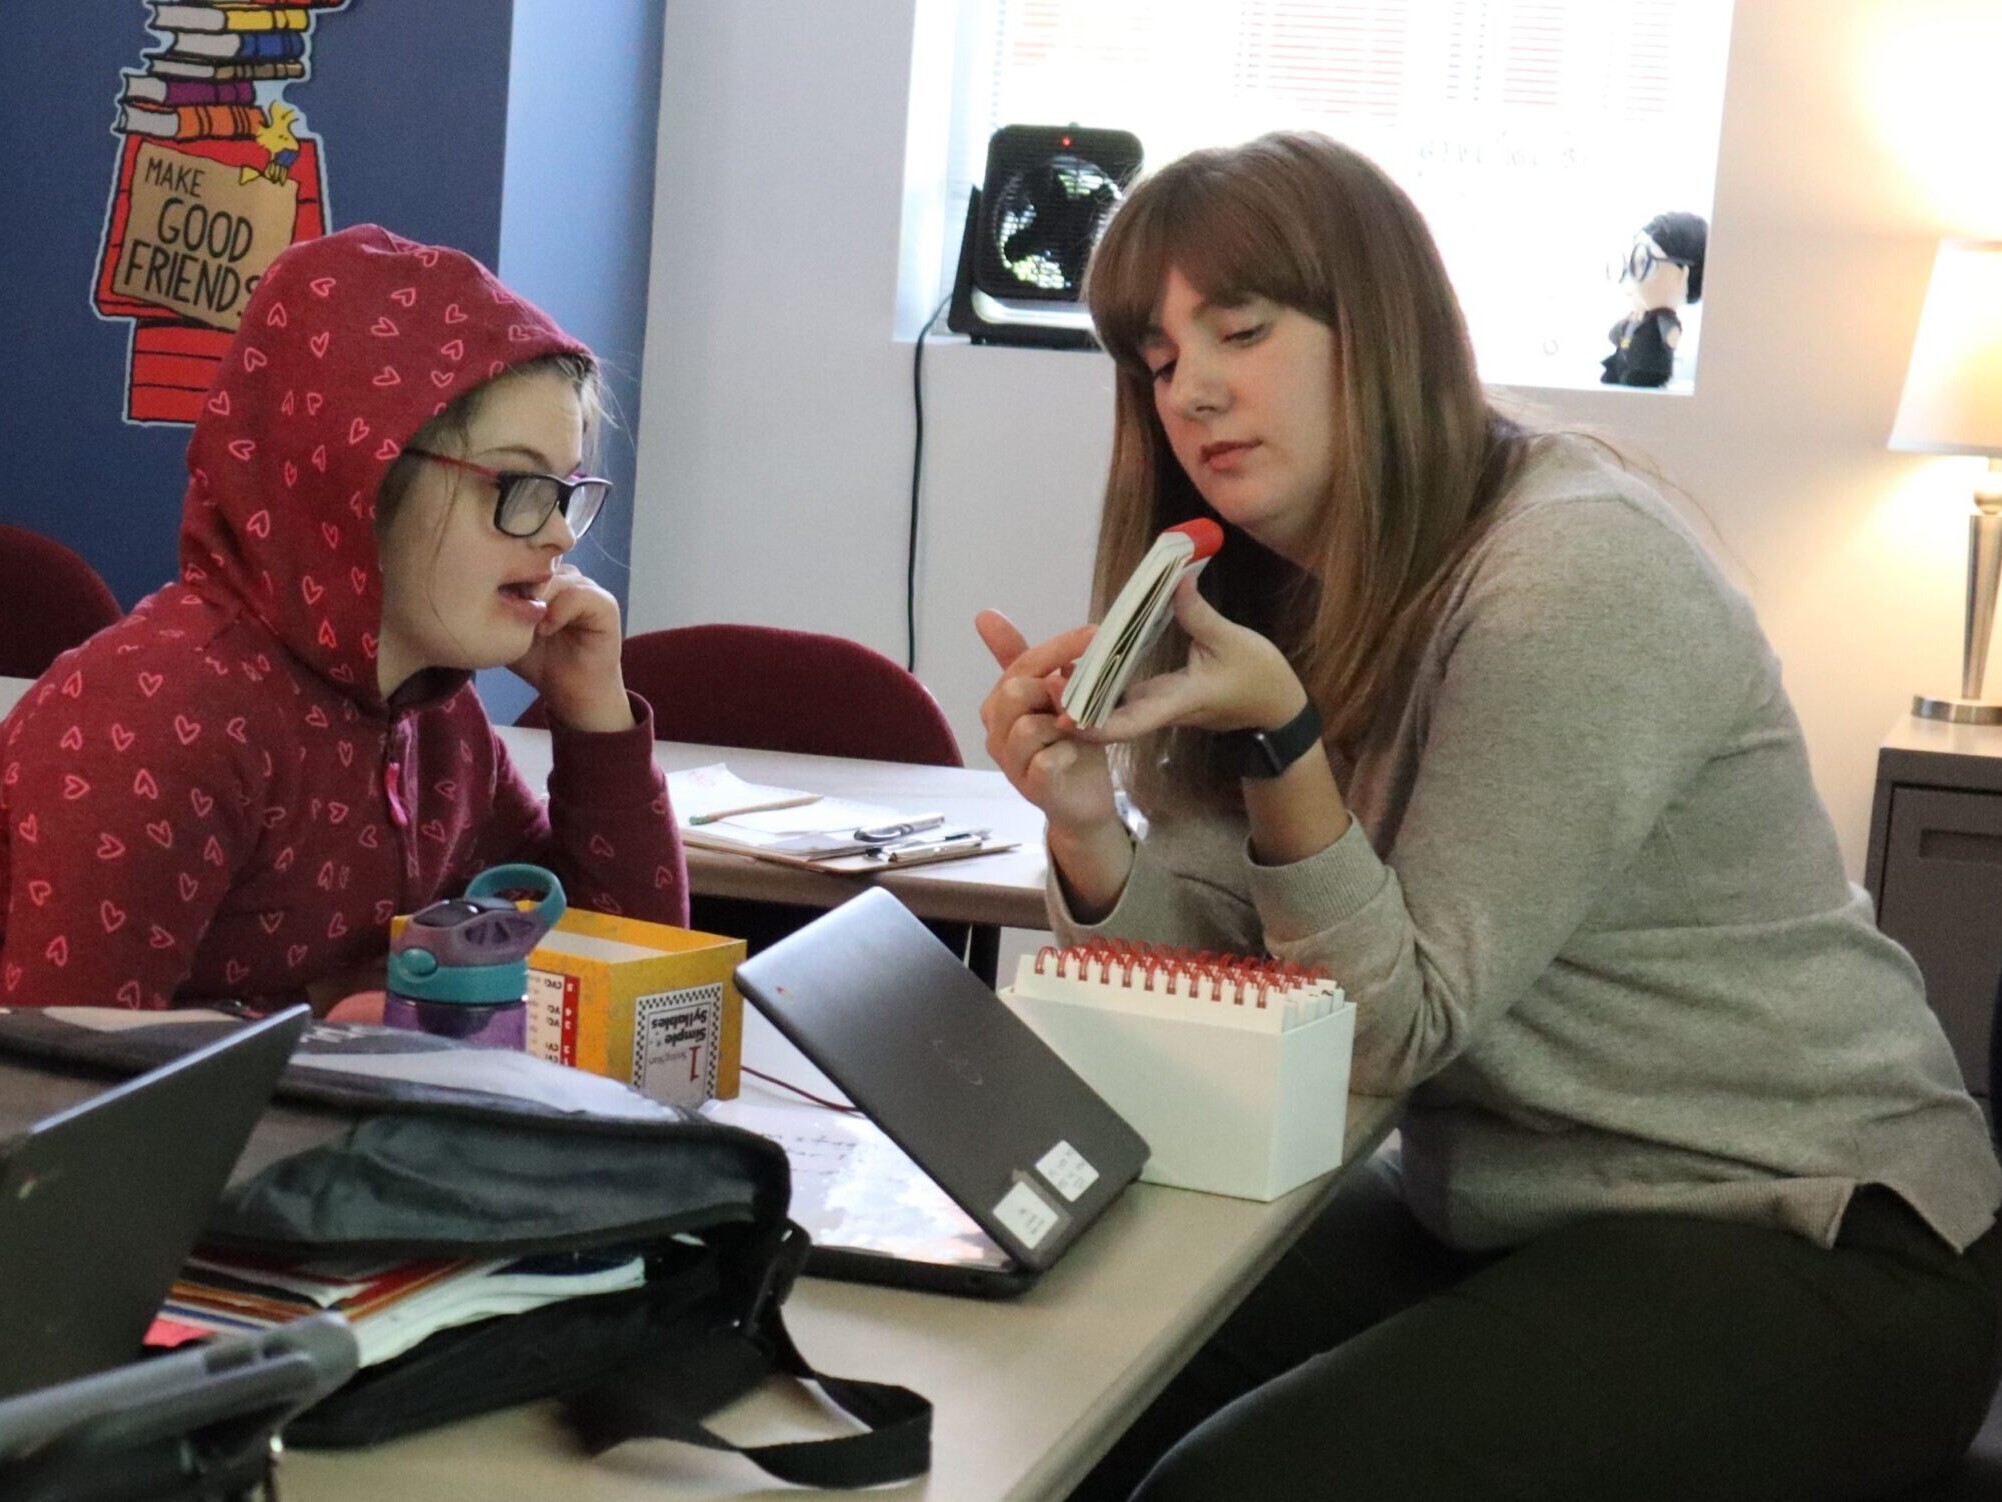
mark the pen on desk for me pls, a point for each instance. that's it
(900, 831)
(915, 850)
(799, 800)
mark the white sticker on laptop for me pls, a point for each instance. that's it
(1026, 1214)
(1066, 1171)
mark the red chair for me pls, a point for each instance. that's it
(776, 690)
(52, 601)
(770, 689)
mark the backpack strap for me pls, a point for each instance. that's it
(665, 1397)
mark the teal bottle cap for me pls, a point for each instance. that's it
(417, 975)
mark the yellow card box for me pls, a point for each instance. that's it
(641, 1002)
(654, 1006)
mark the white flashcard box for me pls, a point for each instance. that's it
(1232, 1098)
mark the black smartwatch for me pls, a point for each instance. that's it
(1266, 753)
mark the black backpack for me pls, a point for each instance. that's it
(392, 1143)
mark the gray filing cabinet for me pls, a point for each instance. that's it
(1935, 870)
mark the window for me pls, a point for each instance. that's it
(1537, 136)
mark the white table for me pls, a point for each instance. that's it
(1004, 889)
(1029, 1392)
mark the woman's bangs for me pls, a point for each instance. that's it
(1244, 250)
(1229, 251)
(1123, 282)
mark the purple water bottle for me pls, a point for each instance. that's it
(459, 969)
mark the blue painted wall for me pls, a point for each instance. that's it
(577, 225)
(420, 108)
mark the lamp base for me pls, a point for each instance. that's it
(1958, 711)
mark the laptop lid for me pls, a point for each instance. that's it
(873, 1215)
(953, 1078)
(101, 1203)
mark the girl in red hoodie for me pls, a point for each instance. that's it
(230, 792)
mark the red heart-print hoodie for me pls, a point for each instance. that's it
(211, 799)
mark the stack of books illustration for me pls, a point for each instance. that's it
(216, 174)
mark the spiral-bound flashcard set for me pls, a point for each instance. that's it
(1235, 1069)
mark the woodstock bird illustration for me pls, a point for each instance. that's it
(276, 138)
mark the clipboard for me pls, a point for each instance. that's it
(809, 831)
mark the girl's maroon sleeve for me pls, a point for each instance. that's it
(126, 823)
(606, 829)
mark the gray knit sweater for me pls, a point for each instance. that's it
(1592, 912)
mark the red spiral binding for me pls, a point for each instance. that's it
(1253, 977)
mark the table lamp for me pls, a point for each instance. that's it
(1952, 404)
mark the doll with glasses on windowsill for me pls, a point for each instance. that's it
(1663, 273)
(229, 793)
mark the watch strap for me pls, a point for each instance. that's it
(1267, 753)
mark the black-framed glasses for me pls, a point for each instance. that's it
(1638, 264)
(527, 500)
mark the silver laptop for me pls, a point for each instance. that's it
(1024, 1151)
(101, 1203)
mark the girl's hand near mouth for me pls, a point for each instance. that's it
(574, 662)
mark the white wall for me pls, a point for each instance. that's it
(774, 452)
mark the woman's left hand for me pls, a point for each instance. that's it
(1235, 679)
(574, 660)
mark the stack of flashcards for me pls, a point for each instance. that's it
(1136, 620)
(1235, 1070)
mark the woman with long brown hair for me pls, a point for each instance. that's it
(1690, 1200)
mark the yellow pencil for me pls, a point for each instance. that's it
(799, 800)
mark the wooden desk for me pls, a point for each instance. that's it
(1029, 1393)
(1005, 889)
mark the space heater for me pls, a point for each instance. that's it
(1030, 228)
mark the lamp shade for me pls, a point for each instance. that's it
(1952, 403)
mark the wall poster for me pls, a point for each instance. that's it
(216, 174)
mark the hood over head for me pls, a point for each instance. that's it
(349, 345)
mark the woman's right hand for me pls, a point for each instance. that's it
(1066, 778)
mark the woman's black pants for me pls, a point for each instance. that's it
(1619, 1359)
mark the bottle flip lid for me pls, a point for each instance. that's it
(474, 949)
